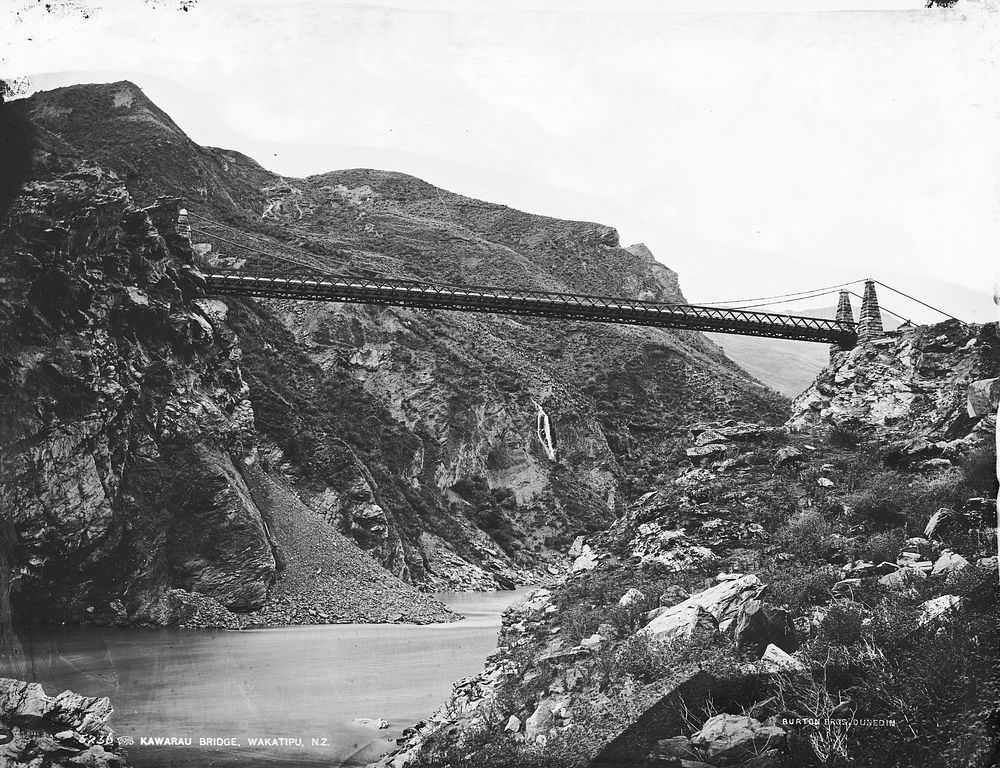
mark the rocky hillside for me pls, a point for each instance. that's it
(131, 480)
(932, 384)
(823, 594)
(461, 451)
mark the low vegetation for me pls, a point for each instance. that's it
(867, 656)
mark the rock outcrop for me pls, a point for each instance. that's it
(732, 739)
(55, 731)
(723, 602)
(935, 384)
(131, 480)
(126, 415)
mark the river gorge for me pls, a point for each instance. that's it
(302, 695)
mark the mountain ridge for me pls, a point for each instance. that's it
(415, 433)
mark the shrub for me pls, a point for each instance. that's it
(800, 587)
(880, 503)
(807, 534)
(842, 624)
(759, 457)
(880, 546)
(579, 621)
(776, 438)
(938, 684)
(824, 743)
(645, 658)
(774, 504)
(857, 471)
(924, 496)
(843, 437)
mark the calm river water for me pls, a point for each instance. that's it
(304, 684)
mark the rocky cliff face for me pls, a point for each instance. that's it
(460, 451)
(129, 475)
(11, 653)
(124, 411)
(935, 383)
(836, 572)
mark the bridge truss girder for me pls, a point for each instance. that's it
(561, 306)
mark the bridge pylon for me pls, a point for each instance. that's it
(870, 321)
(845, 314)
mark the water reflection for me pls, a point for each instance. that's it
(302, 684)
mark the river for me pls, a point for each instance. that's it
(307, 685)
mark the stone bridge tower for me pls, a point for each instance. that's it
(870, 322)
(845, 314)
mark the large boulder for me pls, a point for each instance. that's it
(759, 625)
(938, 521)
(55, 731)
(736, 431)
(788, 456)
(902, 578)
(585, 561)
(722, 601)
(632, 597)
(983, 396)
(949, 563)
(540, 722)
(775, 659)
(676, 748)
(701, 628)
(729, 739)
(705, 452)
(937, 608)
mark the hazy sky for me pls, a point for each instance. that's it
(756, 147)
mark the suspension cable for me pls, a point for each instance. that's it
(779, 296)
(884, 309)
(775, 303)
(924, 303)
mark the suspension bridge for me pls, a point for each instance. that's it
(280, 271)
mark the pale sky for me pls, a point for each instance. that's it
(756, 147)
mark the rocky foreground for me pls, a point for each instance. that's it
(55, 731)
(819, 595)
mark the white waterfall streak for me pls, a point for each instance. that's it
(543, 428)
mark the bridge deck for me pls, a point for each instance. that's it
(564, 306)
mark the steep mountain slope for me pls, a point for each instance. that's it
(124, 131)
(129, 470)
(460, 450)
